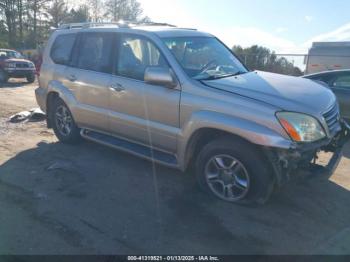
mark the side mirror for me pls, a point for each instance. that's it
(159, 76)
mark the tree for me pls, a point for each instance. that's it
(127, 10)
(96, 9)
(58, 12)
(261, 58)
(25, 24)
(20, 13)
(35, 8)
(9, 9)
(79, 15)
(3, 35)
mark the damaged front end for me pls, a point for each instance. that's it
(303, 157)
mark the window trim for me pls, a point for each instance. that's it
(71, 51)
(119, 37)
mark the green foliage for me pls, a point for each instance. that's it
(78, 15)
(127, 10)
(3, 35)
(261, 58)
(26, 24)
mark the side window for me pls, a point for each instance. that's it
(135, 55)
(95, 52)
(62, 48)
(342, 81)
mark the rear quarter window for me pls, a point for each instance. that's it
(62, 48)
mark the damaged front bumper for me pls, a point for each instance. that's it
(303, 157)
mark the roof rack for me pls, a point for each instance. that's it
(121, 24)
(88, 25)
(153, 24)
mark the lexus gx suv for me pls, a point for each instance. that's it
(181, 98)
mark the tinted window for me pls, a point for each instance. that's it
(62, 48)
(342, 81)
(135, 55)
(95, 52)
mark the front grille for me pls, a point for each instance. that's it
(22, 65)
(332, 118)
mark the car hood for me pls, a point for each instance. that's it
(17, 60)
(285, 92)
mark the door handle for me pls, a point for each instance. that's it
(117, 87)
(72, 78)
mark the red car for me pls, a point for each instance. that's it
(13, 65)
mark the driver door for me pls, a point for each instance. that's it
(142, 112)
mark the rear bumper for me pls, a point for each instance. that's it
(302, 158)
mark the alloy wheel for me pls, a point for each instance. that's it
(63, 120)
(227, 177)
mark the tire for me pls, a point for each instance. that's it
(64, 126)
(3, 76)
(31, 78)
(237, 166)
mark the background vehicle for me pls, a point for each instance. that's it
(324, 56)
(13, 65)
(179, 97)
(339, 82)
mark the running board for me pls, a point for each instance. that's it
(130, 147)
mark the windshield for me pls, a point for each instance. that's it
(9, 54)
(204, 58)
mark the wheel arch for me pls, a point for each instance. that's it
(57, 90)
(202, 137)
(204, 126)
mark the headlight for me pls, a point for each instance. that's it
(301, 127)
(31, 65)
(11, 65)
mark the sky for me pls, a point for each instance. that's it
(281, 25)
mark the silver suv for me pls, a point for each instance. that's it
(181, 98)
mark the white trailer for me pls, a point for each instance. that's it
(325, 56)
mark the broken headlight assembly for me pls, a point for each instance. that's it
(301, 127)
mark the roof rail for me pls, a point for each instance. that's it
(153, 24)
(89, 25)
(121, 24)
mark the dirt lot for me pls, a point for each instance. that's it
(101, 201)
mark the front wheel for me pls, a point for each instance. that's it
(31, 78)
(3, 76)
(233, 170)
(63, 123)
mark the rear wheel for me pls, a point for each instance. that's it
(63, 123)
(3, 76)
(31, 78)
(233, 170)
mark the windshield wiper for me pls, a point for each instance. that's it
(213, 77)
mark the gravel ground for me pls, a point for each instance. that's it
(89, 199)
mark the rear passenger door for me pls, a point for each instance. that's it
(142, 112)
(89, 76)
(341, 87)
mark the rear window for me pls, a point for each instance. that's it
(62, 48)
